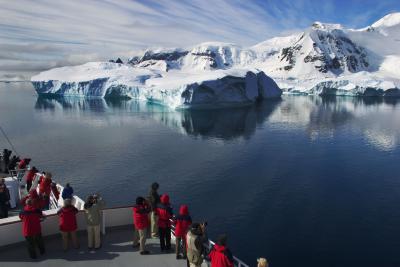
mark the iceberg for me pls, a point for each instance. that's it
(175, 88)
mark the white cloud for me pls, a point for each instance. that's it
(47, 33)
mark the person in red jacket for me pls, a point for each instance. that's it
(34, 197)
(30, 175)
(164, 214)
(141, 221)
(55, 191)
(182, 223)
(220, 255)
(67, 223)
(45, 184)
(24, 163)
(31, 228)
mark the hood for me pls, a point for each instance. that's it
(165, 199)
(219, 248)
(184, 210)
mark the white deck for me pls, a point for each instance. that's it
(117, 250)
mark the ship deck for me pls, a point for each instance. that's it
(116, 251)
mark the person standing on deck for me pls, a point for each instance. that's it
(68, 224)
(220, 255)
(45, 184)
(4, 199)
(30, 175)
(67, 192)
(182, 223)
(55, 191)
(154, 199)
(31, 228)
(195, 239)
(93, 206)
(164, 214)
(141, 221)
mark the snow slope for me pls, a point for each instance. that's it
(328, 59)
(325, 59)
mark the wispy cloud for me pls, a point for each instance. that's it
(40, 34)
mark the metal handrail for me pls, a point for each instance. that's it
(237, 262)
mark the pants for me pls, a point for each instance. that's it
(73, 237)
(194, 265)
(28, 185)
(33, 242)
(3, 211)
(165, 238)
(93, 232)
(154, 221)
(140, 236)
(178, 246)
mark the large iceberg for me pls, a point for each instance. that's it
(325, 59)
(175, 88)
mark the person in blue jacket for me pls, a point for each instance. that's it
(68, 192)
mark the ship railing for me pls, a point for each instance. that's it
(18, 173)
(208, 246)
(10, 228)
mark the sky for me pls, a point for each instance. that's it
(37, 35)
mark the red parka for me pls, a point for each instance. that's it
(68, 219)
(220, 256)
(182, 222)
(45, 186)
(141, 216)
(164, 212)
(22, 164)
(37, 201)
(30, 217)
(30, 175)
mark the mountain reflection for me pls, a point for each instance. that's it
(318, 117)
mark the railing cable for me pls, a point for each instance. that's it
(9, 141)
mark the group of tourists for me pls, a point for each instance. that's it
(155, 213)
(153, 217)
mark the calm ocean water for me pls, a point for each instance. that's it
(303, 181)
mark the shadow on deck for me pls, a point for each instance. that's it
(117, 250)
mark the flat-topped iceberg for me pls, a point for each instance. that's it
(174, 88)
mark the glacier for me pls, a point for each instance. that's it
(325, 59)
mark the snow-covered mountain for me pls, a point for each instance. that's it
(325, 59)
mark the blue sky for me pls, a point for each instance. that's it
(41, 34)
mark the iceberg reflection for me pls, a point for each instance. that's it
(377, 119)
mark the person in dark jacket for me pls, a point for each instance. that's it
(164, 214)
(141, 222)
(4, 200)
(31, 228)
(67, 192)
(13, 163)
(154, 199)
(220, 255)
(6, 160)
(182, 223)
(68, 224)
(30, 175)
(195, 239)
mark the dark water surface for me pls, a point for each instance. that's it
(304, 181)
